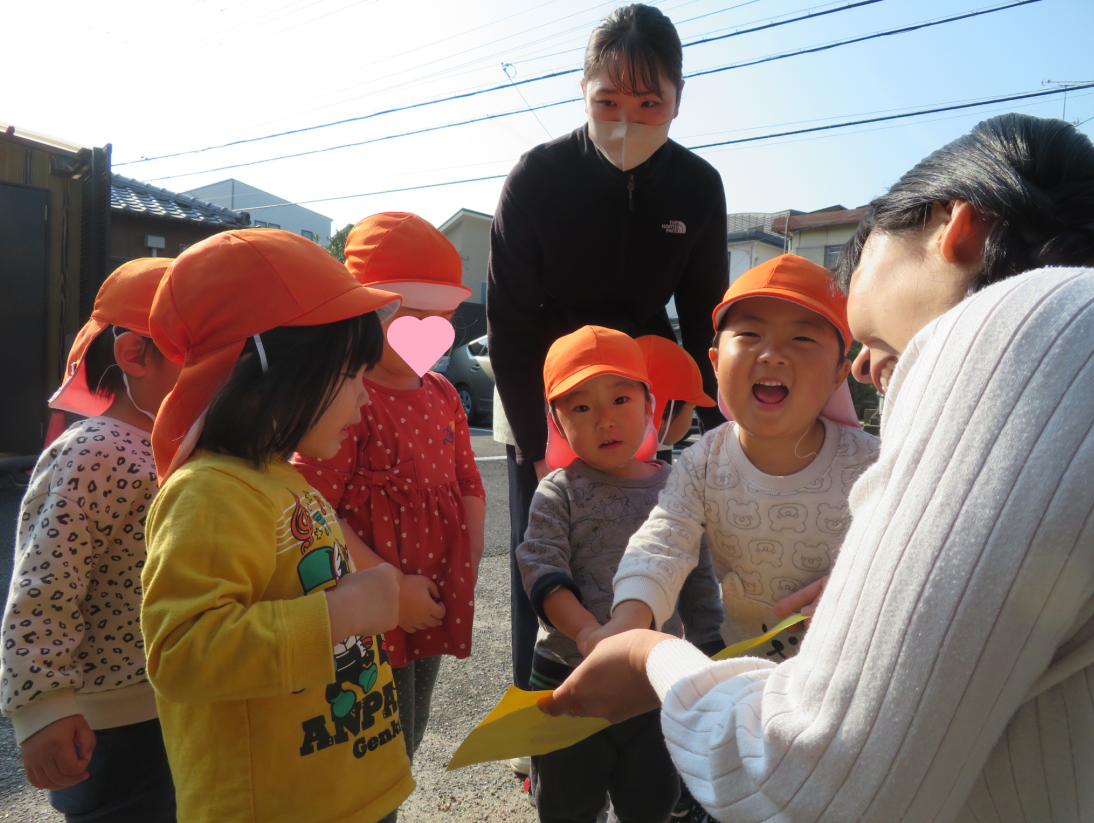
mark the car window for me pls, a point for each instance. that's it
(475, 348)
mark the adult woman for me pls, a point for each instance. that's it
(947, 672)
(600, 227)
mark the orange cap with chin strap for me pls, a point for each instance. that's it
(231, 287)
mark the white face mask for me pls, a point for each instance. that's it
(627, 145)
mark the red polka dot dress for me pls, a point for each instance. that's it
(399, 482)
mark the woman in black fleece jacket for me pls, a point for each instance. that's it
(580, 239)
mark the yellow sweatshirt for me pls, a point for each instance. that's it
(261, 720)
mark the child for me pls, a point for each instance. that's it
(405, 482)
(73, 676)
(677, 386)
(768, 489)
(248, 584)
(581, 517)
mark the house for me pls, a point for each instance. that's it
(147, 221)
(469, 232)
(751, 240)
(818, 235)
(54, 221)
(268, 211)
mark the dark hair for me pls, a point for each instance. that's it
(104, 376)
(637, 44)
(1032, 178)
(260, 417)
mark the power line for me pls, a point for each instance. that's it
(532, 109)
(845, 124)
(777, 23)
(874, 36)
(476, 92)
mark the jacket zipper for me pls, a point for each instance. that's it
(630, 192)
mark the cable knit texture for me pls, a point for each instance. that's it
(768, 535)
(949, 671)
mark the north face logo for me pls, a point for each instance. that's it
(675, 227)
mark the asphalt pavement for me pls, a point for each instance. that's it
(466, 689)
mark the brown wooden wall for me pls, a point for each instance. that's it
(127, 232)
(24, 164)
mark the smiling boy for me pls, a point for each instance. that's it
(769, 489)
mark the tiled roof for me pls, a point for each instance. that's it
(140, 198)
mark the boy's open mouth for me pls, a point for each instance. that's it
(607, 444)
(770, 392)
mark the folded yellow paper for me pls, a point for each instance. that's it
(737, 649)
(517, 728)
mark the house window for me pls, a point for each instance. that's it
(831, 256)
(273, 226)
(184, 246)
(259, 224)
(310, 235)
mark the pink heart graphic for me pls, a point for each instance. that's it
(420, 342)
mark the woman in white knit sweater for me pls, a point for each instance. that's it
(949, 670)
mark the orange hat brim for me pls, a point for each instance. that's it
(572, 381)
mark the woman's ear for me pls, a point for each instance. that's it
(962, 234)
(130, 353)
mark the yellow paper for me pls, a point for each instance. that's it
(737, 649)
(517, 728)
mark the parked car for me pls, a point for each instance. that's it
(469, 370)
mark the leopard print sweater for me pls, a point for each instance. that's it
(72, 620)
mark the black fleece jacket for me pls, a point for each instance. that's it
(576, 242)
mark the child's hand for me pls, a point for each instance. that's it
(630, 614)
(364, 603)
(582, 639)
(419, 604)
(56, 756)
(804, 600)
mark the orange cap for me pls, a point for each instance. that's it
(674, 374)
(793, 278)
(124, 300)
(230, 287)
(402, 253)
(588, 352)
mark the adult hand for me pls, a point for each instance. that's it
(611, 682)
(56, 756)
(804, 600)
(419, 604)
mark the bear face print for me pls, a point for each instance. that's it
(742, 515)
(783, 586)
(833, 519)
(765, 551)
(788, 517)
(751, 581)
(813, 559)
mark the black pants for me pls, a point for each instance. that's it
(128, 780)
(414, 684)
(628, 762)
(525, 624)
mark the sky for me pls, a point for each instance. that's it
(155, 78)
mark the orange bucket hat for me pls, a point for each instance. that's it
(673, 372)
(124, 300)
(402, 253)
(231, 287)
(582, 355)
(793, 278)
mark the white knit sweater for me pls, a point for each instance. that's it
(949, 672)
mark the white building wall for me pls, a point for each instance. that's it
(239, 196)
(747, 255)
(469, 232)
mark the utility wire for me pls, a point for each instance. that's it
(935, 110)
(532, 109)
(477, 92)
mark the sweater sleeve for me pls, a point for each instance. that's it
(700, 606)
(44, 621)
(544, 556)
(969, 562)
(662, 553)
(702, 285)
(209, 634)
(513, 302)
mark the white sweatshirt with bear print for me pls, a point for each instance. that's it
(769, 536)
(71, 638)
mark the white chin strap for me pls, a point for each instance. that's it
(261, 353)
